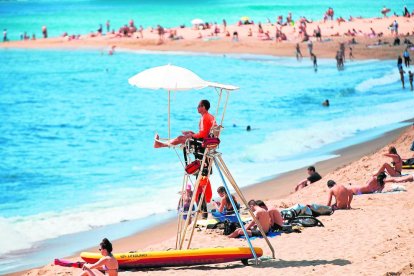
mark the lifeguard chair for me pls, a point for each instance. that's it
(204, 152)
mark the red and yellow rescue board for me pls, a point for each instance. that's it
(178, 257)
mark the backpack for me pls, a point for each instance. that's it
(409, 161)
(306, 221)
(230, 227)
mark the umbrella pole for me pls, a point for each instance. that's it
(169, 130)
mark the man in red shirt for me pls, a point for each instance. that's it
(206, 122)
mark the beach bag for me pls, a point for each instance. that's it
(301, 209)
(288, 214)
(307, 221)
(230, 227)
(409, 161)
(320, 210)
(193, 167)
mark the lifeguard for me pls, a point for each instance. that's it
(207, 121)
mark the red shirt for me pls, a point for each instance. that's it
(206, 122)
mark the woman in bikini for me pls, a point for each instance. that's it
(396, 161)
(375, 184)
(108, 264)
(224, 209)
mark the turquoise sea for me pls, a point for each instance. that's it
(77, 161)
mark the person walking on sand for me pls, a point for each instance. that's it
(207, 121)
(108, 26)
(410, 78)
(342, 195)
(261, 215)
(313, 177)
(298, 53)
(351, 55)
(108, 264)
(44, 31)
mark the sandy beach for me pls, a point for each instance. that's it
(333, 33)
(373, 238)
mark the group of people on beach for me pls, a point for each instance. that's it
(407, 61)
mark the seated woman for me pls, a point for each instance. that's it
(396, 161)
(375, 184)
(224, 210)
(107, 263)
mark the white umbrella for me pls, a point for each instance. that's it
(197, 21)
(170, 78)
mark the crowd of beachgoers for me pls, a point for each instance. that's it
(355, 243)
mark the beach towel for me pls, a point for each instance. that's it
(270, 234)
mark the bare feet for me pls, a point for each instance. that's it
(157, 144)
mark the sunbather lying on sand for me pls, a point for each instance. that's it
(375, 184)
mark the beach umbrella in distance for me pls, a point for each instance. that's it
(245, 18)
(170, 78)
(197, 21)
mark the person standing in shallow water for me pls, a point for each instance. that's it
(410, 78)
(298, 53)
(402, 72)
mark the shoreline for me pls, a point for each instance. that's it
(277, 188)
(367, 45)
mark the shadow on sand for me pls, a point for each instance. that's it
(278, 263)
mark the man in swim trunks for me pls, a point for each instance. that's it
(313, 177)
(343, 196)
(262, 216)
(207, 121)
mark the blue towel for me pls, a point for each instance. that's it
(221, 217)
(270, 234)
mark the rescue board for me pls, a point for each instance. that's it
(178, 257)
